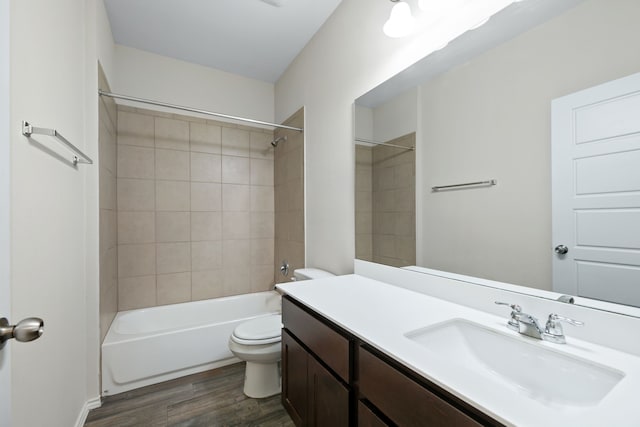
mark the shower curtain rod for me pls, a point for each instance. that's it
(194, 110)
(368, 141)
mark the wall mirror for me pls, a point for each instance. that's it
(479, 110)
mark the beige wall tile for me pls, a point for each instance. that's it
(364, 202)
(107, 189)
(135, 129)
(262, 224)
(405, 200)
(206, 255)
(296, 195)
(136, 227)
(236, 252)
(205, 138)
(262, 172)
(108, 229)
(236, 170)
(206, 196)
(261, 147)
(206, 226)
(236, 280)
(173, 288)
(364, 222)
(262, 252)
(295, 164)
(236, 225)
(107, 146)
(206, 284)
(136, 260)
(136, 292)
(135, 162)
(262, 278)
(136, 194)
(173, 257)
(296, 226)
(173, 227)
(406, 249)
(236, 142)
(236, 197)
(262, 199)
(364, 180)
(405, 224)
(172, 165)
(173, 196)
(172, 134)
(206, 167)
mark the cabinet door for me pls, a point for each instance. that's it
(294, 379)
(366, 417)
(328, 398)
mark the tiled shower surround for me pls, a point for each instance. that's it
(385, 203)
(195, 209)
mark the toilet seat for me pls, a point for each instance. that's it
(258, 331)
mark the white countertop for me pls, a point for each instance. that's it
(380, 314)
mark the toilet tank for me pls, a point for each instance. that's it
(311, 274)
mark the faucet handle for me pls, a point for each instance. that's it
(515, 311)
(554, 319)
(553, 329)
(514, 307)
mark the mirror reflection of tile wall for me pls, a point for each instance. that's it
(385, 203)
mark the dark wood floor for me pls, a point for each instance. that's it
(212, 398)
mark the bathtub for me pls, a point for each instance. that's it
(152, 345)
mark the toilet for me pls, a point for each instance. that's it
(258, 342)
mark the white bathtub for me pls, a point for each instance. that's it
(148, 346)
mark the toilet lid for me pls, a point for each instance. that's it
(260, 328)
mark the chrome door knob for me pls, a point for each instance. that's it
(28, 329)
(561, 249)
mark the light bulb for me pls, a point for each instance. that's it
(400, 22)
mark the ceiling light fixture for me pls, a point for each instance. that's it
(400, 22)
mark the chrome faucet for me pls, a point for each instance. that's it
(528, 325)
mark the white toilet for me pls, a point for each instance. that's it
(257, 342)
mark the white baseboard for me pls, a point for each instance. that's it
(89, 405)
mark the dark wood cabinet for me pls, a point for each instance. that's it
(404, 401)
(330, 378)
(294, 379)
(314, 393)
(328, 398)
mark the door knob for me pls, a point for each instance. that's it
(561, 249)
(28, 329)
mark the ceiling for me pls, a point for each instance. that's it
(251, 38)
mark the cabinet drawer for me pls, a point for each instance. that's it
(402, 400)
(366, 417)
(330, 346)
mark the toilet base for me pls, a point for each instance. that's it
(262, 379)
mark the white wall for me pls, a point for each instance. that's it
(53, 229)
(348, 56)
(105, 45)
(147, 75)
(396, 117)
(490, 118)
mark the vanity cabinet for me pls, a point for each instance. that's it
(315, 369)
(401, 399)
(331, 378)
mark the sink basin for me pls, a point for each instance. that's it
(550, 377)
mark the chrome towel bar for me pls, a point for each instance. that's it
(79, 156)
(466, 184)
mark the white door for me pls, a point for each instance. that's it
(5, 302)
(596, 192)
